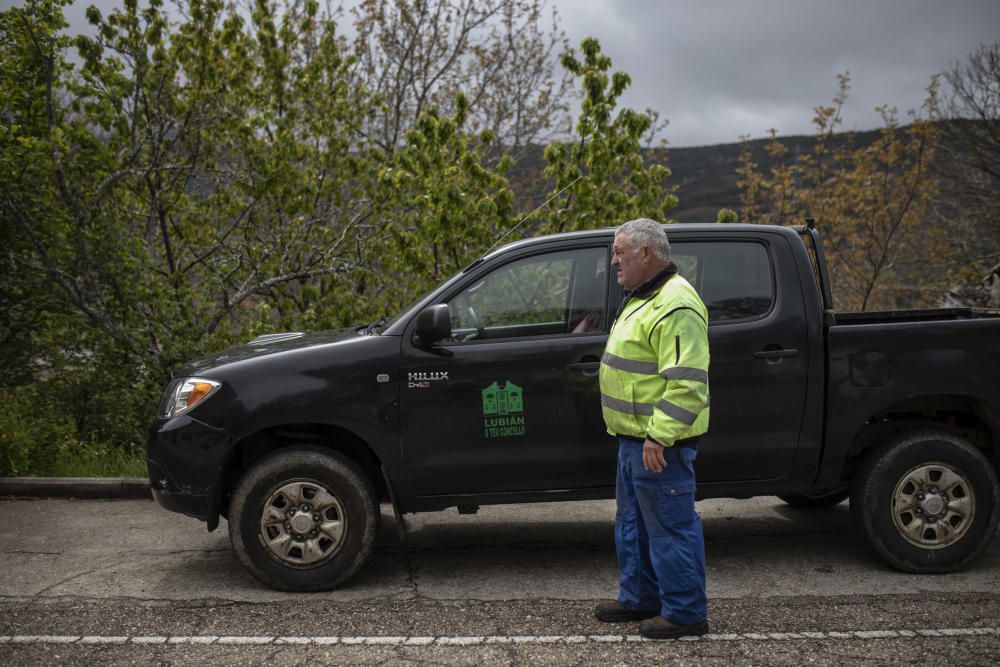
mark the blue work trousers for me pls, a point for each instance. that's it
(658, 536)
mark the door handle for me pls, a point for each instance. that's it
(588, 368)
(775, 354)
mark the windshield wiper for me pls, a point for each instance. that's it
(375, 327)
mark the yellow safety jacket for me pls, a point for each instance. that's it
(654, 372)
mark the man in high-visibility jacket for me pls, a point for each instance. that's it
(654, 395)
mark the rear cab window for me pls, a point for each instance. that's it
(734, 278)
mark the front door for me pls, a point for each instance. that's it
(510, 403)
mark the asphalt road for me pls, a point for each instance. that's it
(127, 582)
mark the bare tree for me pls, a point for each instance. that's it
(418, 54)
(969, 170)
(972, 107)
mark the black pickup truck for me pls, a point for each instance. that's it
(485, 391)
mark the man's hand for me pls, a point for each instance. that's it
(652, 456)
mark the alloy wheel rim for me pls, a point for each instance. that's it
(302, 523)
(933, 505)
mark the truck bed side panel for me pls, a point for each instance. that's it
(873, 367)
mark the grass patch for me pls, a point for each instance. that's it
(39, 437)
(98, 461)
(74, 459)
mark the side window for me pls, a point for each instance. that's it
(556, 293)
(733, 279)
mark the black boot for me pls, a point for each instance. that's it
(661, 628)
(614, 612)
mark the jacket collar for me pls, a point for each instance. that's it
(647, 288)
(653, 284)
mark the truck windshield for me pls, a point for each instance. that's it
(407, 308)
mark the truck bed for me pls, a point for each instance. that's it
(922, 315)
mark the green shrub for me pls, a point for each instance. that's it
(40, 437)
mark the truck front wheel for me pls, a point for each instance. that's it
(303, 519)
(928, 502)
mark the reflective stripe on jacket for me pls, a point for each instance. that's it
(654, 372)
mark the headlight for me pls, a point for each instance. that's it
(183, 394)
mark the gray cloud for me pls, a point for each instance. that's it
(719, 69)
(722, 68)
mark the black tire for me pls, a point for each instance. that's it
(341, 506)
(927, 502)
(817, 500)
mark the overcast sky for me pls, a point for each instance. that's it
(718, 69)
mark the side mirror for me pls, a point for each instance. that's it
(434, 323)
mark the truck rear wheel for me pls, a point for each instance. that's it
(926, 503)
(303, 519)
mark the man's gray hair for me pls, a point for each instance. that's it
(649, 233)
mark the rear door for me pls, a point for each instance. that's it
(759, 353)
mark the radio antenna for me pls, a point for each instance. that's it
(540, 206)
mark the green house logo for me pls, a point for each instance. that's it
(503, 410)
(503, 401)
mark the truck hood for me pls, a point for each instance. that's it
(264, 346)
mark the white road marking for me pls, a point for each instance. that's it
(245, 640)
(96, 639)
(198, 639)
(324, 640)
(459, 641)
(295, 640)
(419, 641)
(494, 639)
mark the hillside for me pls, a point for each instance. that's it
(705, 180)
(706, 175)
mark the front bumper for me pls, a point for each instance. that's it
(185, 460)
